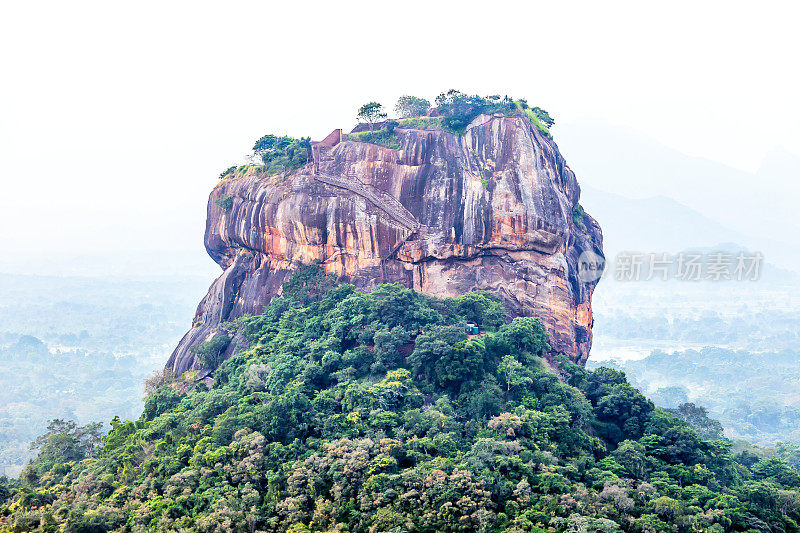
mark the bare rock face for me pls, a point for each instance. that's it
(491, 210)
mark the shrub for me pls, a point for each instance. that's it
(160, 378)
(229, 170)
(383, 137)
(225, 202)
(459, 109)
(577, 216)
(537, 122)
(210, 352)
(160, 401)
(422, 123)
(543, 116)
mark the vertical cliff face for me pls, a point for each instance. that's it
(490, 210)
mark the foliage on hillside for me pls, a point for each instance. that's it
(578, 214)
(422, 123)
(459, 109)
(377, 412)
(385, 136)
(282, 154)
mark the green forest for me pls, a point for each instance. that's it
(754, 394)
(377, 412)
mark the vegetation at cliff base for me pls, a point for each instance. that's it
(210, 352)
(378, 412)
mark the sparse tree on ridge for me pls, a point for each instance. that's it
(371, 112)
(544, 116)
(411, 106)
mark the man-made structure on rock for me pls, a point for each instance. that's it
(490, 210)
(333, 138)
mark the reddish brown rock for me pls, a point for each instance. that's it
(491, 210)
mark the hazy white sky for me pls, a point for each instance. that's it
(117, 118)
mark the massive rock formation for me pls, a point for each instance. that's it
(491, 210)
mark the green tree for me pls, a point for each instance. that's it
(633, 456)
(600, 382)
(543, 115)
(697, 417)
(211, 351)
(775, 469)
(433, 345)
(160, 401)
(481, 309)
(650, 523)
(282, 153)
(388, 344)
(667, 508)
(459, 109)
(309, 283)
(625, 411)
(513, 373)
(411, 106)
(63, 442)
(5, 489)
(526, 335)
(461, 362)
(371, 112)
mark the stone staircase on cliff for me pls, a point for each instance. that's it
(385, 202)
(322, 153)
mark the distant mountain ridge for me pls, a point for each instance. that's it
(655, 224)
(758, 207)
